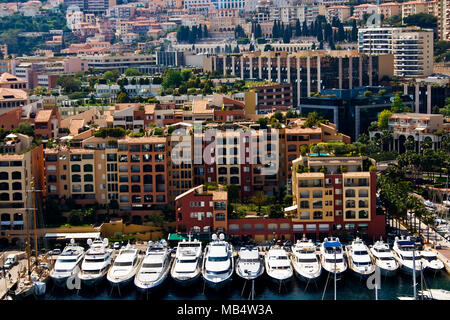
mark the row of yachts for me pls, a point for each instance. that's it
(216, 263)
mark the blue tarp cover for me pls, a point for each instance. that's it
(331, 244)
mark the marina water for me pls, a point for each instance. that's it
(349, 288)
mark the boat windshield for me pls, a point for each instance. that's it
(333, 261)
(62, 260)
(331, 250)
(303, 260)
(429, 258)
(407, 248)
(381, 250)
(279, 258)
(152, 265)
(123, 264)
(186, 260)
(360, 253)
(94, 259)
(249, 260)
(217, 259)
(63, 270)
(411, 258)
(361, 264)
(386, 258)
(280, 267)
(188, 245)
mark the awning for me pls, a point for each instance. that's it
(291, 208)
(175, 237)
(74, 235)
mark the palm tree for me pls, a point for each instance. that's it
(428, 219)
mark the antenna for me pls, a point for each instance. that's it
(214, 237)
(222, 236)
(89, 242)
(72, 241)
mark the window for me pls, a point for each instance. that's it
(317, 194)
(304, 215)
(338, 212)
(304, 204)
(272, 227)
(76, 178)
(363, 214)
(324, 227)
(349, 226)
(123, 188)
(233, 227)
(76, 168)
(338, 191)
(317, 215)
(350, 214)
(88, 178)
(362, 193)
(16, 175)
(310, 227)
(135, 178)
(350, 193)
(317, 204)
(17, 196)
(350, 203)
(88, 188)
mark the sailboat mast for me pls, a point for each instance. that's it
(28, 244)
(33, 190)
(334, 273)
(414, 271)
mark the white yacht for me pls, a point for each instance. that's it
(332, 256)
(431, 261)
(218, 262)
(249, 264)
(67, 264)
(278, 265)
(384, 258)
(96, 262)
(359, 259)
(187, 266)
(155, 266)
(305, 261)
(124, 267)
(403, 251)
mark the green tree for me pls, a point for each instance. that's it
(383, 119)
(397, 105)
(68, 83)
(275, 211)
(423, 20)
(233, 193)
(112, 75)
(123, 97)
(132, 72)
(171, 79)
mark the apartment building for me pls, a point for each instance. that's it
(20, 170)
(47, 124)
(10, 81)
(363, 9)
(389, 9)
(11, 99)
(412, 48)
(143, 63)
(202, 210)
(340, 12)
(307, 71)
(290, 14)
(418, 127)
(268, 98)
(334, 195)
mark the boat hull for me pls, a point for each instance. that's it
(217, 285)
(151, 286)
(186, 281)
(361, 275)
(91, 282)
(122, 282)
(251, 276)
(388, 272)
(306, 277)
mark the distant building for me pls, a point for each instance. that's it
(412, 48)
(416, 126)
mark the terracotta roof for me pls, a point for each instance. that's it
(75, 125)
(43, 116)
(201, 106)
(149, 108)
(8, 94)
(8, 78)
(11, 157)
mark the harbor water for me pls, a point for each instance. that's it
(348, 288)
